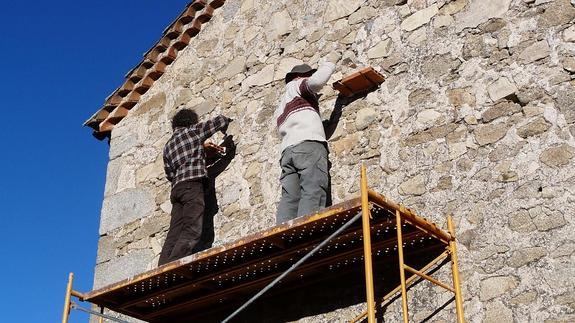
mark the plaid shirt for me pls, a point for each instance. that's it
(184, 152)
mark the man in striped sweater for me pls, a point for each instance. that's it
(304, 160)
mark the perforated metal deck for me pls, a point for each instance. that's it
(207, 285)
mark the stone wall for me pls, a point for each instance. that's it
(476, 118)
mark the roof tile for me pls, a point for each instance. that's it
(144, 85)
(114, 99)
(153, 54)
(206, 14)
(105, 127)
(217, 3)
(118, 114)
(176, 30)
(139, 80)
(198, 4)
(193, 28)
(360, 82)
(126, 88)
(138, 73)
(169, 56)
(157, 70)
(127, 103)
(188, 15)
(181, 42)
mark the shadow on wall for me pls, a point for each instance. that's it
(215, 167)
(341, 102)
(330, 126)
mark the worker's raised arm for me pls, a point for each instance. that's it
(319, 79)
(210, 127)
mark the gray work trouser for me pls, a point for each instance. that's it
(304, 179)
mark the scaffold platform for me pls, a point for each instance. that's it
(209, 285)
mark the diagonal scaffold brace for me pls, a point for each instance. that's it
(365, 215)
(293, 267)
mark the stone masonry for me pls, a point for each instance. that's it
(476, 118)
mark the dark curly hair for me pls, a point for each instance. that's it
(184, 118)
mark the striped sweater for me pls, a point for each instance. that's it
(297, 115)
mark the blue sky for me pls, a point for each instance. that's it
(59, 60)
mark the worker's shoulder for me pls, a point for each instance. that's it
(179, 134)
(294, 86)
(299, 81)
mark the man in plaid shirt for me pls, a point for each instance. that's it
(184, 164)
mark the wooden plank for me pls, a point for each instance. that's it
(329, 212)
(275, 258)
(357, 252)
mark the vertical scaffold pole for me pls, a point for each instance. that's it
(455, 271)
(66, 312)
(401, 267)
(367, 247)
(101, 319)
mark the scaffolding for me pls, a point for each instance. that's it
(294, 255)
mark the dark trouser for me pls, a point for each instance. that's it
(210, 210)
(304, 179)
(186, 224)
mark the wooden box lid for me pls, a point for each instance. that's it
(361, 81)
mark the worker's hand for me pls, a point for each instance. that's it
(225, 128)
(334, 56)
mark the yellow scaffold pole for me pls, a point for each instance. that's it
(401, 267)
(455, 271)
(367, 247)
(67, 298)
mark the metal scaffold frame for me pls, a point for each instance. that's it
(450, 252)
(403, 216)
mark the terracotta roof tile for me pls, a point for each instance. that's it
(206, 14)
(193, 28)
(126, 88)
(157, 70)
(118, 114)
(188, 14)
(158, 49)
(164, 43)
(114, 99)
(108, 107)
(139, 80)
(217, 3)
(169, 55)
(198, 4)
(108, 124)
(101, 115)
(138, 73)
(105, 128)
(153, 54)
(127, 103)
(181, 42)
(176, 30)
(144, 85)
(359, 82)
